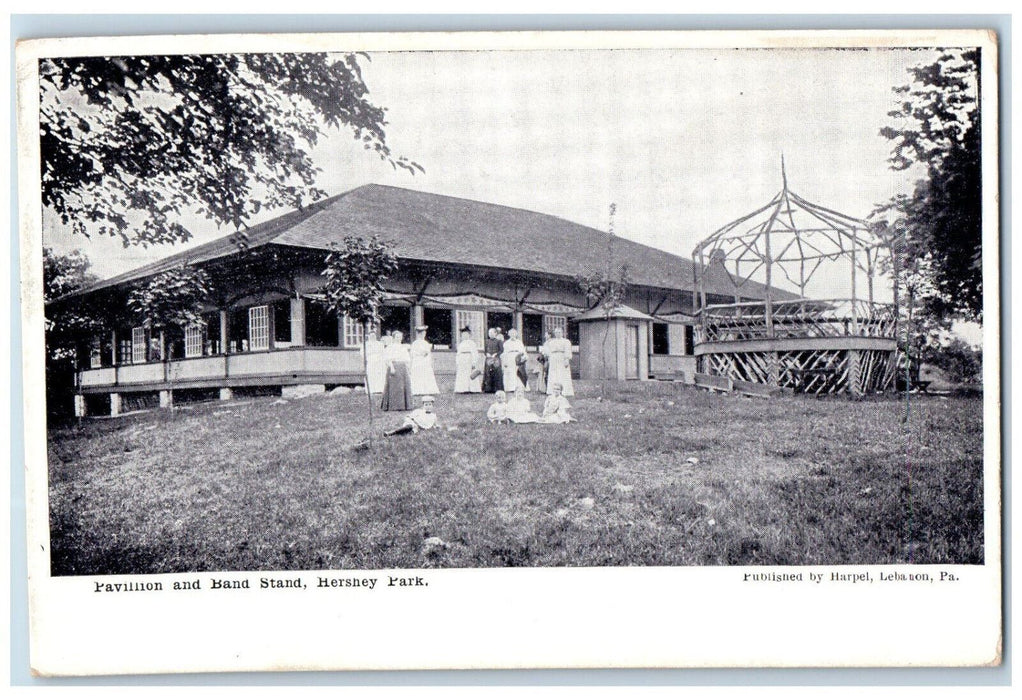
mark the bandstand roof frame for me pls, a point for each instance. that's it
(791, 236)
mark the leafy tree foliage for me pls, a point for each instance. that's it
(66, 324)
(938, 228)
(171, 300)
(960, 361)
(355, 273)
(130, 143)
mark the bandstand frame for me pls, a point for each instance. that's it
(816, 346)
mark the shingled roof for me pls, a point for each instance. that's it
(436, 228)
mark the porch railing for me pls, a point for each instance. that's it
(804, 318)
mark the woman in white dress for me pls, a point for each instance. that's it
(376, 366)
(514, 349)
(559, 364)
(466, 363)
(423, 379)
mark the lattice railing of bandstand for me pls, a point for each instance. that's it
(806, 371)
(804, 318)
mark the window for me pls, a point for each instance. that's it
(552, 322)
(354, 332)
(661, 339)
(441, 325)
(138, 345)
(259, 328)
(194, 338)
(122, 352)
(320, 325)
(572, 333)
(532, 330)
(395, 318)
(96, 353)
(475, 321)
(500, 319)
(282, 321)
(237, 330)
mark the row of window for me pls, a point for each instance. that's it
(251, 329)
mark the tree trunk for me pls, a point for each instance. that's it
(369, 394)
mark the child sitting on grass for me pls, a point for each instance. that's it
(420, 419)
(555, 409)
(519, 410)
(497, 412)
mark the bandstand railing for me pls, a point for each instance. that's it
(802, 318)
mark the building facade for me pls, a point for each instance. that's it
(461, 263)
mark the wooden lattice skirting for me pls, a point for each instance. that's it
(818, 371)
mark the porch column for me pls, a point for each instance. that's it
(163, 347)
(417, 319)
(298, 321)
(115, 404)
(166, 398)
(520, 323)
(80, 411)
(113, 348)
(854, 373)
(223, 332)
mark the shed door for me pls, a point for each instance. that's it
(631, 352)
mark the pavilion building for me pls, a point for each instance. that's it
(461, 263)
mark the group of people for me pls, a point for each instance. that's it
(401, 371)
(519, 410)
(503, 364)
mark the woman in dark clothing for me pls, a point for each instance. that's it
(493, 375)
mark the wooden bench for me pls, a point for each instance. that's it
(757, 390)
(712, 382)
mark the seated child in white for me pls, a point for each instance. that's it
(519, 410)
(497, 412)
(555, 410)
(420, 419)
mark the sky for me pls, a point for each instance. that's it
(681, 141)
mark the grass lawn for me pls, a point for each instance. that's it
(260, 485)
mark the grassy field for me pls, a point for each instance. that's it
(261, 485)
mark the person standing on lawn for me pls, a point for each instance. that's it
(542, 365)
(468, 376)
(397, 389)
(423, 379)
(493, 378)
(511, 358)
(559, 364)
(376, 366)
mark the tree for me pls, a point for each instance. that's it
(601, 289)
(129, 143)
(170, 301)
(355, 273)
(65, 324)
(937, 130)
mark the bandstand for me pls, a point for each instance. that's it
(810, 345)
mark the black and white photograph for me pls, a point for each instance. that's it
(344, 317)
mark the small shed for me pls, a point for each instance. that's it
(614, 345)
